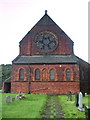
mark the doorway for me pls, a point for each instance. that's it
(7, 87)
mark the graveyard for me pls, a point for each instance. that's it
(41, 106)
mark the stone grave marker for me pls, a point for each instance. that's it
(17, 97)
(69, 94)
(12, 99)
(7, 100)
(80, 102)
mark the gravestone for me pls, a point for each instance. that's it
(17, 97)
(12, 99)
(80, 102)
(77, 99)
(69, 94)
(7, 99)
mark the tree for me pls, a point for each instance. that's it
(5, 71)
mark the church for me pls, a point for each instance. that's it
(46, 63)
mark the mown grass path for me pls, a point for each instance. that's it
(52, 108)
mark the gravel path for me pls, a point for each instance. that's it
(53, 108)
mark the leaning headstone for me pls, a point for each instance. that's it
(7, 99)
(80, 102)
(77, 99)
(69, 94)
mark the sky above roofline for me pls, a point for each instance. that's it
(19, 16)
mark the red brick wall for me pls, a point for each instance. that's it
(46, 87)
(54, 87)
(59, 69)
(19, 86)
(28, 45)
(85, 81)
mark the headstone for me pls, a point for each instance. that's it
(77, 100)
(69, 94)
(80, 102)
(13, 99)
(7, 99)
(17, 97)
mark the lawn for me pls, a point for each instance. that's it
(69, 108)
(0, 105)
(29, 107)
(32, 106)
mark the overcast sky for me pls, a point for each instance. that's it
(17, 17)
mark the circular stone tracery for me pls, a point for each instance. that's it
(46, 42)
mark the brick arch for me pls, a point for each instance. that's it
(21, 73)
(37, 74)
(51, 73)
(34, 72)
(71, 73)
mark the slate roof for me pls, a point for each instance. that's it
(42, 59)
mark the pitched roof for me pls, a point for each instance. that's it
(38, 59)
(46, 20)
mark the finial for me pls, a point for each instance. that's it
(45, 11)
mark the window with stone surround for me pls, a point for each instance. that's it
(67, 74)
(21, 74)
(37, 74)
(52, 76)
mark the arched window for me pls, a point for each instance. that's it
(67, 74)
(21, 74)
(52, 77)
(37, 74)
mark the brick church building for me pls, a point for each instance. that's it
(46, 63)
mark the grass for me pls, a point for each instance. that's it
(0, 105)
(29, 107)
(33, 105)
(69, 109)
(0, 91)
